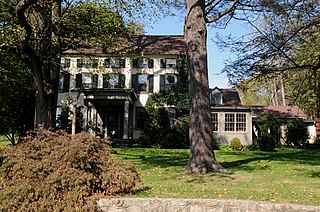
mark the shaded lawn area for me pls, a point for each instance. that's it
(285, 176)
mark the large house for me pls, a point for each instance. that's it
(110, 87)
(108, 90)
(231, 119)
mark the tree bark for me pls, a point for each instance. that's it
(40, 49)
(202, 159)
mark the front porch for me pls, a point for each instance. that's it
(109, 112)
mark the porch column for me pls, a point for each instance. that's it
(126, 120)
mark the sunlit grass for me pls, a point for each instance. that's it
(285, 176)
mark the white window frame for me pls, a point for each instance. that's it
(235, 122)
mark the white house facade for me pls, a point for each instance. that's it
(109, 90)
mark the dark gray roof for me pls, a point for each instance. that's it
(141, 45)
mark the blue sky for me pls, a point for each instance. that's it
(216, 58)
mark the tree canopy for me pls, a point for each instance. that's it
(282, 46)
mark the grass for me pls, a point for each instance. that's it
(4, 142)
(285, 176)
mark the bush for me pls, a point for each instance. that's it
(55, 172)
(236, 144)
(266, 142)
(296, 133)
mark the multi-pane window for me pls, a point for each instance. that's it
(142, 82)
(65, 62)
(168, 82)
(235, 122)
(169, 63)
(113, 81)
(229, 122)
(87, 63)
(86, 80)
(142, 63)
(241, 122)
(214, 121)
(114, 63)
(216, 97)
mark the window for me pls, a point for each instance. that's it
(113, 81)
(235, 122)
(241, 122)
(142, 63)
(216, 97)
(87, 63)
(114, 63)
(65, 63)
(169, 63)
(168, 83)
(86, 81)
(142, 82)
(214, 121)
(141, 117)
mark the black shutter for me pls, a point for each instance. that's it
(122, 80)
(163, 63)
(78, 80)
(105, 81)
(134, 82)
(94, 81)
(150, 82)
(135, 63)
(162, 83)
(122, 63)
(150, 63)
(66, 82)
(178, 85)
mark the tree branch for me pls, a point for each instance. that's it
(223, 13)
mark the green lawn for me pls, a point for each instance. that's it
(285, 176)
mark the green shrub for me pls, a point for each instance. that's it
(236, 144)
(266, 142)
(55, 172)
(296, 133)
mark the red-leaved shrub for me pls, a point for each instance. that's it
(55, 172)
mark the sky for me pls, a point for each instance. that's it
(216, 57)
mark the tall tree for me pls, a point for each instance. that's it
(282, 45)
(34, 30)
(199, 13)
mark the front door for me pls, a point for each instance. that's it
(113, 122)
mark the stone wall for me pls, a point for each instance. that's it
(196, 205)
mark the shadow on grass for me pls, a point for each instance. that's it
(164, 158)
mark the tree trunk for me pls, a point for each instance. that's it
(202, 159)
(46, 68)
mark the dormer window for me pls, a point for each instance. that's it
(216, 97)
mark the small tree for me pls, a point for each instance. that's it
(296, 133)
(269, 133)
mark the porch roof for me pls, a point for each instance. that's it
(109, 94)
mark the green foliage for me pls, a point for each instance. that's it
(56, 172)
(16, 97)
(266, 142)
(296, 133)
(95, 23)
(160, 129)
(236, 144)
(269, 133)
